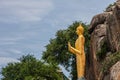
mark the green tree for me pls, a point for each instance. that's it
(29, 68)
(57, 50)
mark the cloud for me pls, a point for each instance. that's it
(10, 40)
(5, 60)
(24, 10)
(11, 52)
(15, 51)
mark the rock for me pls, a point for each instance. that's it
(107, 77)
(98, 37)
(115, 71)
(96, 20)
(113, 29)
(104, 28)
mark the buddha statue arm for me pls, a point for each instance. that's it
(72, 49)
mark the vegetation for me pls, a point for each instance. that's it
(56, 53)
(102, 53)
(29, 68)
(57, 50)
(111, 60)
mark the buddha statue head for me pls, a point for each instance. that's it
(80, 30)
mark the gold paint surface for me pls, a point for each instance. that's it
(79, 51)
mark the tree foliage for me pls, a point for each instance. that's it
(57, 49)
(109, 62)
(29, 68)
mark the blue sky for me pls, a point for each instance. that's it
(26, 26)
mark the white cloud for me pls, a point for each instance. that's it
(15, 51)
(10, 40)
(24, 10)
(5, 60)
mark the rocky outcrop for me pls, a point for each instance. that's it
(115, 71)
(113, 28)
(105, 40)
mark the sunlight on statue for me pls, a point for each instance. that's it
(79, 52)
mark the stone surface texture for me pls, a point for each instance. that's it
(104, 28)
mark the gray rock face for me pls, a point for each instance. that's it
(98, 19)
(113, 29)
(115, 71)
(98, 37)
(104, 28)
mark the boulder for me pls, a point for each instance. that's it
(104, 29)
(115, 71)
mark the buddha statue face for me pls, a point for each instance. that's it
(79, 30)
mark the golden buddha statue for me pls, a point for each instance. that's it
(79, 52)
